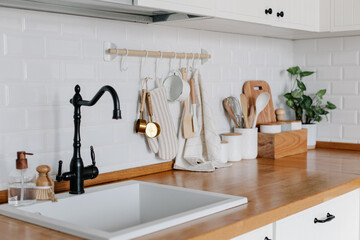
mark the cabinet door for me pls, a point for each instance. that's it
(345, 15)
(243, 10)
(302, 15)
(258, 234)
(345, 225)
(198, 7)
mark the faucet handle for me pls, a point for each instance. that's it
(92, 153)
(58, 176)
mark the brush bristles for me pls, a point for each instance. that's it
(44, 194)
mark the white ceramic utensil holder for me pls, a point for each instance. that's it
(311, 135)
(234, 145)
(224, 151)
(250, 142)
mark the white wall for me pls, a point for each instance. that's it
(336, 63)
(43, 56)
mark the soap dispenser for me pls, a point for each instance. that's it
(22, 187)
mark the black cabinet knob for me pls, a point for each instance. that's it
(266, 238)
(280, 14)
(328, 218)
(268, 11)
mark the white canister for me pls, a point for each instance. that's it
(224, 151)
(296, 125)
(234, 145)
(250, 142)
(274, 128)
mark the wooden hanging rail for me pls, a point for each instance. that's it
(144, 53)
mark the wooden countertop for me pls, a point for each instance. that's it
(274, 188)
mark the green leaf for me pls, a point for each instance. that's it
(321, 93)
(310, 113)
(294, 70)
(305, 74)
(330, 105)
(297, 93)
(290, 103)
(318, 118)
(288, 95)
(307, 102)
(301, 85)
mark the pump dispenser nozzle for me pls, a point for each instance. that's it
(21, 161)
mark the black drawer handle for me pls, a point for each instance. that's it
(268, 11)
(266, 238)
(280, 14)
(328, 218)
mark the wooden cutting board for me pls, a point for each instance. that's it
(252, 89)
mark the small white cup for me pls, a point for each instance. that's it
(224, 151)
(250, 142)
(176, 88)
(234, 145)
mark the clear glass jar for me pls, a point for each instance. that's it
(22, 187)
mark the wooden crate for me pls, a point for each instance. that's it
(282, 144)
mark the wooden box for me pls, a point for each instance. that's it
(278, 145)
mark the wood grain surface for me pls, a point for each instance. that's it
(252, 89)
(275, 189)
(337, 145)
(282, 144)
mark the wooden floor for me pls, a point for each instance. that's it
(274, 188)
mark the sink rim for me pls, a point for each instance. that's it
(130, 232)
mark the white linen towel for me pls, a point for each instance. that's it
(202, 152)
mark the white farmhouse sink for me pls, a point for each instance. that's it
(123, 210)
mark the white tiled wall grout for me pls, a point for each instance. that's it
(336, 63)
(43, 56)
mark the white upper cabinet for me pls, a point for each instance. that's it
(345, 15)
(294, 14)
(196, 7)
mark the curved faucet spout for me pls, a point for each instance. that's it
(98, 95)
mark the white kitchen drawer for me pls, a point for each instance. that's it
(258, 234)
(345, 225)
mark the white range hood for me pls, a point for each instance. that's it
(125, 10)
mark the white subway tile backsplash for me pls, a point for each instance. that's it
(329, 73)
(80, 71)
(352, 132)
(71, 26)
(329, 44)
(12, 22)
(12, 119)
(318, 59)
(305, 46)
(64, 47)
(345, 88)
(42, 70)
(26, 95)
(345, 58)
(351, 43)
(257, 58)
(42, 24)
(24, 45)
(11, 70)
(344, 116)
(329, 131)
(352, 102)
(352, 73)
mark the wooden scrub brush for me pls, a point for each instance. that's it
(44, 184)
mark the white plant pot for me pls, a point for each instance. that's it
(311, 135)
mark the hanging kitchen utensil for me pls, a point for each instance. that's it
(141, 123)
(251, 117)
(187, 126)
(193, 104)
(252, 89)
(244, 109)
(261, 102)
(227, 107)
(236, 108)
(152, 128)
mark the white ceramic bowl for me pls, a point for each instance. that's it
(270, 128)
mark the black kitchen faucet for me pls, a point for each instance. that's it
(78, 173)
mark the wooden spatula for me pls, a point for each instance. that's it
(244, 109)
(187, 126)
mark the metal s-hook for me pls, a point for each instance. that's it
(123, 65)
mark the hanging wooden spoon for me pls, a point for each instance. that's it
(244, 109)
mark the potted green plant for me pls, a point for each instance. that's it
(308, 109)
